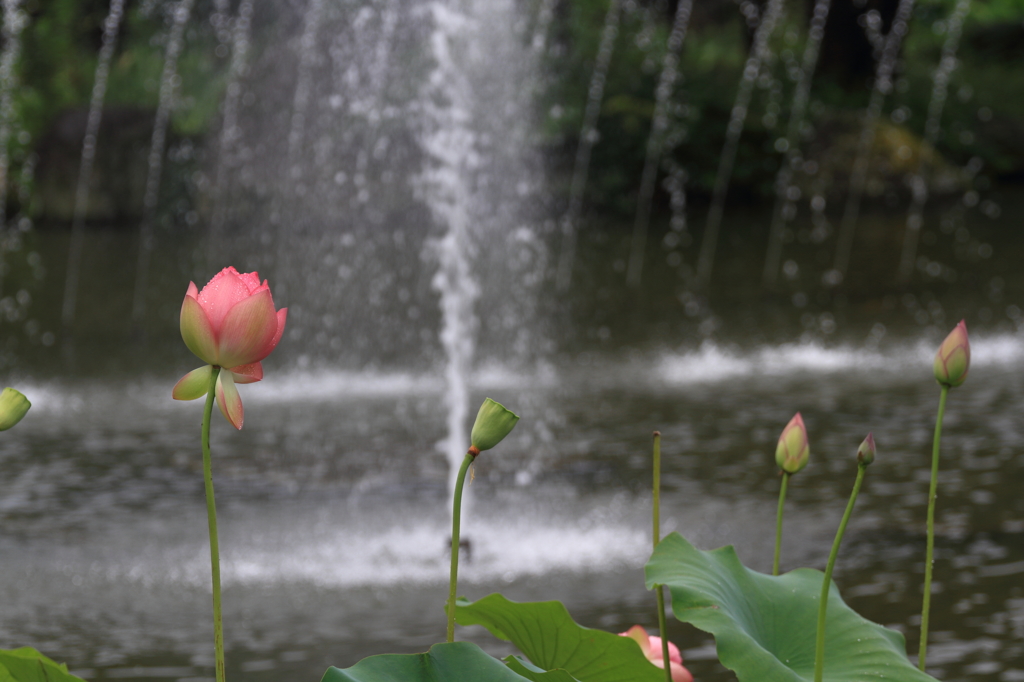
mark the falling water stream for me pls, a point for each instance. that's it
(656, 140)
(758, 51)
(790, 144)
(92, 128)
(157, 146)
(859, 174)
(588, 138)
(932, 127)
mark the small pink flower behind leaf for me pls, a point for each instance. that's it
(793, 450)
(232, 324)
(953, 358)
(651, 646)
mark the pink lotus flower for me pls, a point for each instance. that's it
(793, 450)
(230, 324)
(651, 646)
(953, 358)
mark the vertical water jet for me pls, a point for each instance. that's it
(229, 131)
(92, 127)
(738, 118)
(859, 174)
(588, 138)
(656, 142)
(13, 22)
(932, 126)
(791, 143)
(168, 86)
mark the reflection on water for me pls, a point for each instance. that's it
(333, 519)
(333, 501)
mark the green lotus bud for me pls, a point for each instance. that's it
(953, 358)
(866, 451)
(793, 450)
(493, 423)
(13, 406)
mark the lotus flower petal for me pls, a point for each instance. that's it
(248, 331)
(228, 400)
(679, 673)
(642, 638)
(282, 317)
(222, 293)
(673, 650)
(247, 374)
(193, 385)
(197, 332)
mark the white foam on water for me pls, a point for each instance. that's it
(400, 555)
(712, 363)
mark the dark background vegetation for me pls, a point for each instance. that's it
(984, 116)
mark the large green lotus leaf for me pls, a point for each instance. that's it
(535, 673)
(764, 626)
(546, 633)
(28, 665)
(457, 662)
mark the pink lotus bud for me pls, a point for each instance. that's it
(866, 451)
(953, 358)
(232, 324)
(793, 450)
(651, 646)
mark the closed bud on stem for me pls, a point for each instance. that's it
(493, 423)
(793, 450)
(13, 406)
(953, 358)
(866, 451)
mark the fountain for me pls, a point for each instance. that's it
(378, 161)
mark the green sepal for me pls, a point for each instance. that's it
(493, 423)
(28, 665)
(13, 406)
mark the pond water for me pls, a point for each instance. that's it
(333, 499)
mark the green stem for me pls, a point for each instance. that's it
(211, 513)
(656, 535)
(930, 551)
(819, 648)
(456, 520)
(778, 522)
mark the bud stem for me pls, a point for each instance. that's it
(211, 514)
(930, 551)
(656, 535)
(456, 522)
(778, 522)
(819, 648)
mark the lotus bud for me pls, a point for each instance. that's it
(953, 358)
(493, 423)
(866, 451)
(793, 450)
(13, 406)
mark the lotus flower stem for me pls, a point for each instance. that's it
(211, 513)
(930, 551)
(456, 521)
(778, 522)
(819, 648)
(656, 535)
